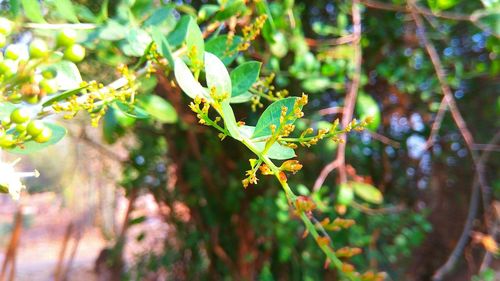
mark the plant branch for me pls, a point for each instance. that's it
(353, 90)
(417, 9)
(450, 263)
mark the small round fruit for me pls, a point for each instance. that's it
(31, 99)
(8, 67)
(12, 52)
(74, 53)
(38, 48)
(5, 26)
(44, 136)
(3, 40)
(21, 127)
(66, 37)
(6, 122)
(6, 140)
(35, 128)
(345, 196)
(20, 115)
(49, 86)
(49, 73)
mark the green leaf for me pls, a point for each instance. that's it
(217, 76)
(230, 120)
(186, 80)
(246, 96)
(231, 8)
(137, 42)
(438, 5)
(177, 36)
(111, 128)
(367, 192)
(159, 16)
(366, 106)
(224, 48)
(276, 151)
(63, 96)
(33, 10)
(194, 40)
(66, 10)
(488, 21)
(243, 77)
(158, 108)
(113, 31)
(123, 119)
(68, 76)
(316, 84)
(133, 111)
(14, 7)
(162, 44)
(58, 132)
(271, 116)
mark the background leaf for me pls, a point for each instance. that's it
(66, 10)
(243, 77)
(33, 10)
(223, 48)
(158, 108)
(367, 192)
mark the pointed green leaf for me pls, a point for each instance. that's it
(194, 40)
(276, 151)
(33, 10)
(230, 120)
(66, 10)
(217, 76)
(246, 96)
(159, 108)
(186, 80)
(243, 77)
(177, 36)
(271, 116)
(224, 48)
(162, 44)
(63, 96)
(367, 192)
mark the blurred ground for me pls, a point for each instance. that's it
(44, 226)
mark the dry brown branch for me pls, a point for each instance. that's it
(331, 110)
(348, 109)
(60, 261)
(383, 139)
(353, 90)
(473, 207)
(10, 255)
(419, 10)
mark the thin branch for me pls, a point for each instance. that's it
(420, 10)
(331, 110)
(331, 42)
(473, 207)
(324, 174)
(353, 91)
(383, 139)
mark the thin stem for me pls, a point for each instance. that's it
(57, 26)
